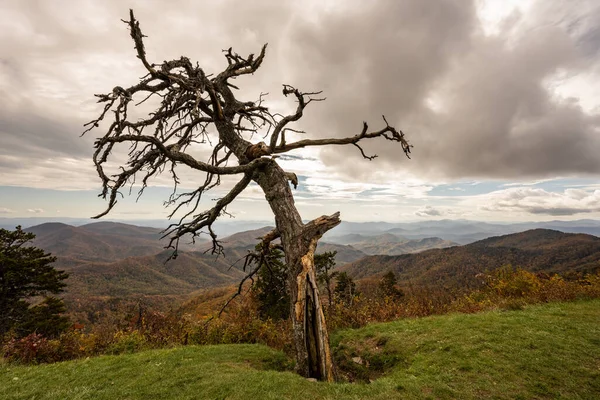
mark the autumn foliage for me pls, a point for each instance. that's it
(135, 328)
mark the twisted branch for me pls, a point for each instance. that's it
(304, 99)
(389, 133)
(206, 219)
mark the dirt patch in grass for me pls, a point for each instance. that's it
(364, 360)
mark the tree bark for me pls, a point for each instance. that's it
(311, 340)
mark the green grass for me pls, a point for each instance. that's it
(543, 352)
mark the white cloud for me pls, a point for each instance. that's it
(35, 210)
(541, 202)
(494, 14)
(428, 211)
(530, 183)
(4, 210)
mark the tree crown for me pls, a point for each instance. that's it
(196, 109)
(25, 271)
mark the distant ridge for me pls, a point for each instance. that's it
(390, 244)
(122, 229)
(534, 239)
(459, 231)
(121, 260)
(117, 259)
(247, 240)
(101, 242)
(539, 250)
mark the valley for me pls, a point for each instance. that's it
(118, 260)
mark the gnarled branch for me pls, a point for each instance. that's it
(303, 99)
(389, 133)
(319, 226)
(206, 219)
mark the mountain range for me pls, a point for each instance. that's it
(121, 260)
(538, 250)
(115, 259)
(389, 243)
(458, 231)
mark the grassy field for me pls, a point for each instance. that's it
(542, 352)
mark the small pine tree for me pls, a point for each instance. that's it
(26, 272)
(45, 319)
(324, 263)
(387, 286)
(271, 289)
(345, 289)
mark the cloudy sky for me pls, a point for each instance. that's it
(499, 98)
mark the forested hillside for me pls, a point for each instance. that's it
(121, 260)
(539, 250)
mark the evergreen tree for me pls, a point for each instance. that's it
(270, 287)
(387, 286)
(26, 272)
(324, 263)
(345, 289)
(45, 318)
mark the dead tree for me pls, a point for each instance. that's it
(196, 109)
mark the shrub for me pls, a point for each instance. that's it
(241, 323)
(509, 282)
(127, 342)
(31, 349)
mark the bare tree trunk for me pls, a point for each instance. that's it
(311, 340)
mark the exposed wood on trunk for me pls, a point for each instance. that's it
(309, 313)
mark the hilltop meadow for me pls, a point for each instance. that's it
(457, 322)
(540, 352)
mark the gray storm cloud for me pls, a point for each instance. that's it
(472, 105)
(496, 117)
